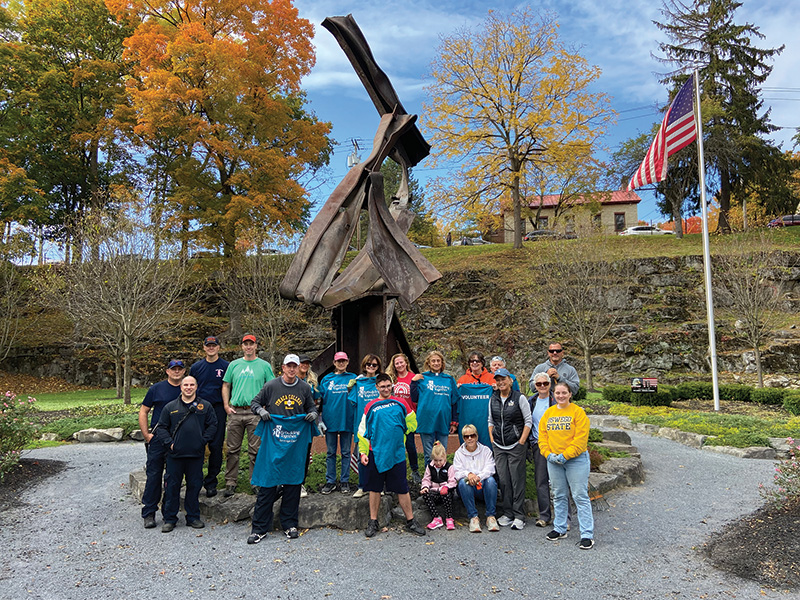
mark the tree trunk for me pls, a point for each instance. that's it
(127, 374)
(118, 375)
(587, 361)
(515, 166)
(758, 367)
(724, 225)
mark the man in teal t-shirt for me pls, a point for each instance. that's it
(243, 380)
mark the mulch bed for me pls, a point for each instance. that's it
(763, 546)
(26, 474)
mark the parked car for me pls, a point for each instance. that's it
(785, 221)
(645, 230)
(470, 241)
(542, 234)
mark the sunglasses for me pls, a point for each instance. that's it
(470, 436)
(374, 365)
(556, 351)
(474, 361)
(542, 383)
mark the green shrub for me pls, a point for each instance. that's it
(739, 439)
(767, 396)
(580, 395)
(105, 409)
(662, 397)
(735, 392)
(791, 402)
(617, 393)
(690, 390)
(595, 435)
(786, 489)
(16, 429)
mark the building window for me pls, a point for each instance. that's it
(543, 221)
(619, 221)
(597, 220)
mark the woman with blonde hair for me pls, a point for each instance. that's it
(399, 370)
(436, 395)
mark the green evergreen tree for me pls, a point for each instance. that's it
(704, 35)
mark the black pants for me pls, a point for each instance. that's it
(177, 469)
(290, 508)
(433, 497)
(215, 448)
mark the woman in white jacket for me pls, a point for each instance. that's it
(474, 470)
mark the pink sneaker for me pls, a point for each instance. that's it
(436, 523)
(450, 524)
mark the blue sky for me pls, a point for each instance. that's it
(616, 35)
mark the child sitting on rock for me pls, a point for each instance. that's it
(437, 487)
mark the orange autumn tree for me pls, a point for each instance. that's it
(217, 84)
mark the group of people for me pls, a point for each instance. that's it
(500, 428)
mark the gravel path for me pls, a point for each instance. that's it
(81, 537)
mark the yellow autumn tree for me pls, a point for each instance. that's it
(217, 94)
(505, 96)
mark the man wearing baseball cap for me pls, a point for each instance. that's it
(243, 379)
(282, 455)
(157, 397)
(208, 372)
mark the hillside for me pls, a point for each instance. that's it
(486, 300)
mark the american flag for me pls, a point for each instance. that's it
(676, 132)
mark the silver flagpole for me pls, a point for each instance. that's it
(712, 340)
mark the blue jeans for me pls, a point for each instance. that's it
(572, 475)
(344, 439)
(427, 443)
(469, 494)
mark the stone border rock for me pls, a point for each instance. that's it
(778, 448)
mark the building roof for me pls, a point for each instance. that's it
(605, 198)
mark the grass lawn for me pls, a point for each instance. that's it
(66, 400)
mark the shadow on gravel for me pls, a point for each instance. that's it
(26, 474)
(763, 546)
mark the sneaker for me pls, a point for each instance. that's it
(436, 523)
(327, 489)
(198, 524)
(475, 525)
(359, 493)
(211, 492)
(518, 524)
(149, 522)
(450, 524)
(541, 523)
(344, 487)
(291, 533)
(167, 527)
(491, 523)
(254, 538)
(504, 521)
(554, 535)
(230, 490)
(303, 491)
(413, 527)
(586, 544)
(372, 528)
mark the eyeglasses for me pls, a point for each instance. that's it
(542, 383)
(556, 351)
(373, 365)
(474, 361)
(470, 436)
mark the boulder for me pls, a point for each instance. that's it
(781, 447)
(615, 435)
(605, 421)
(629, 471)
(341, 511)
(752, 452)
(113, 434)
(617, 447)
(238, 507)
(645, 428)
(136, 435)
(695, 440)
(50, 437)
